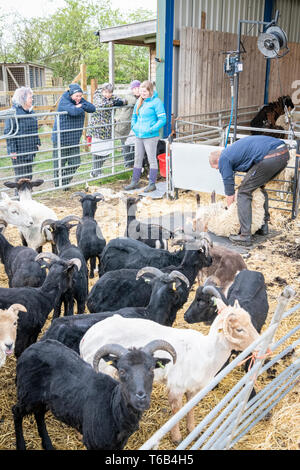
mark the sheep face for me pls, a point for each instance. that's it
(202, 309)
(236, 325)
(136, 373)
(8, 330)
(14, 213)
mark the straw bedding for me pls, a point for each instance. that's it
(277, 259)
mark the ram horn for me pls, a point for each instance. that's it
(78, 193)
(98, 195)
(48, 255)
(212, 291)
(179, 275)
(47, 222)
(3, 223)
(160, 344)
(70, 218)
(14, 308)
(149, 270)
(115, 349)
(75, 261)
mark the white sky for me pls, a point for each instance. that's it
(31, 8)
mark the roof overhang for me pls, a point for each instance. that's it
(136, 34)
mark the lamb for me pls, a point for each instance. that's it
(106, 412)
(14, 213)
(125, 253)
(20, 265)
(153, 235)
(33, 236)
(38, 301)
(120, 288)
(79, 289)
(88, 233)
(199, 357)
(223, 221)
(169, 292)
(8, 330)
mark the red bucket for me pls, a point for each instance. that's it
(162, 164)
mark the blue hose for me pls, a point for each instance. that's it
(231, 114)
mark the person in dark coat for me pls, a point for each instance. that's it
(23, 144)
(67, 135)
(262, 157)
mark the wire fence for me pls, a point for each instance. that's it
(64, 154)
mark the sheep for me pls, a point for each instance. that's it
(33, 236)
(8, 330)
(14, 213)
(88, 233)
(223, 221)
(79, 289)
(269, 113)
(226, 263)
(169, 293)
(125, 253)
(106, 412)
(120, 288)
(199, 357)
(153, 235)
(39, 301)
(287, 175)
(20, 265)
(3, 226)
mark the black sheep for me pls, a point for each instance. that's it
(88, 233)
(52, 377)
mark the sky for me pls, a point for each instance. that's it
(31, 8)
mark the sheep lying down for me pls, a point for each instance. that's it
(223, 221)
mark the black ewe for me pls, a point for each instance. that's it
(79, 289)
(52, 377)
(88, 233)
(38, 301)
(120, 288)
(169, 292)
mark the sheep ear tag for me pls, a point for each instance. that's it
(220, 330)
(174, 285)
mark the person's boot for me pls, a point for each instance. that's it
(241, 239)
(264, 229)
(136, 174)
(152, 179)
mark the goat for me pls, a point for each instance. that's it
(269, 113)
(120, 288)
(14, 213)
(79, 290)
(223, 221)
(169, 292)
(153, 235)
(106, 412)
(38, 301)
(125, 253)
(199, 357)
(88, 233)
(8, 330)
(20, 265)
(33, 236)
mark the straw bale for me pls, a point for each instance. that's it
(272, 258)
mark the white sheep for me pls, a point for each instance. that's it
(199, 357)
(287, 174)
(33, 235)
(14, 213)
(8, 330)
(223, 221)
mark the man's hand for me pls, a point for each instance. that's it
(229, 200)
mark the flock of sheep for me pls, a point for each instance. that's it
(95, 371)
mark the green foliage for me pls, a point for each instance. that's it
(66, 39)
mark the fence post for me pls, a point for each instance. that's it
(59, 151)
(296, 188)
(113, 140)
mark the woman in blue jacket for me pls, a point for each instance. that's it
(24, 144)
(147, 119)
(69, 132)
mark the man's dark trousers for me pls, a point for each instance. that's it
(257, 176)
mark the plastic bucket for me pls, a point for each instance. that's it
(162, 164)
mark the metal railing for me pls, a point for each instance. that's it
(65, 163)
(235, 414)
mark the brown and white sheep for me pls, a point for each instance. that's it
(8, 330)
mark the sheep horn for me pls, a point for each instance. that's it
(115, 349)
(47, 255)
(3, 223)
(156, 344)
(78, 193)
(151, 270)
(69, 218)
(47, 222)
(75, 261)
(212, 291)
(14, 308)
(99, 195)
(179, 275)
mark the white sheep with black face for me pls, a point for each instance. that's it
(8, 330)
